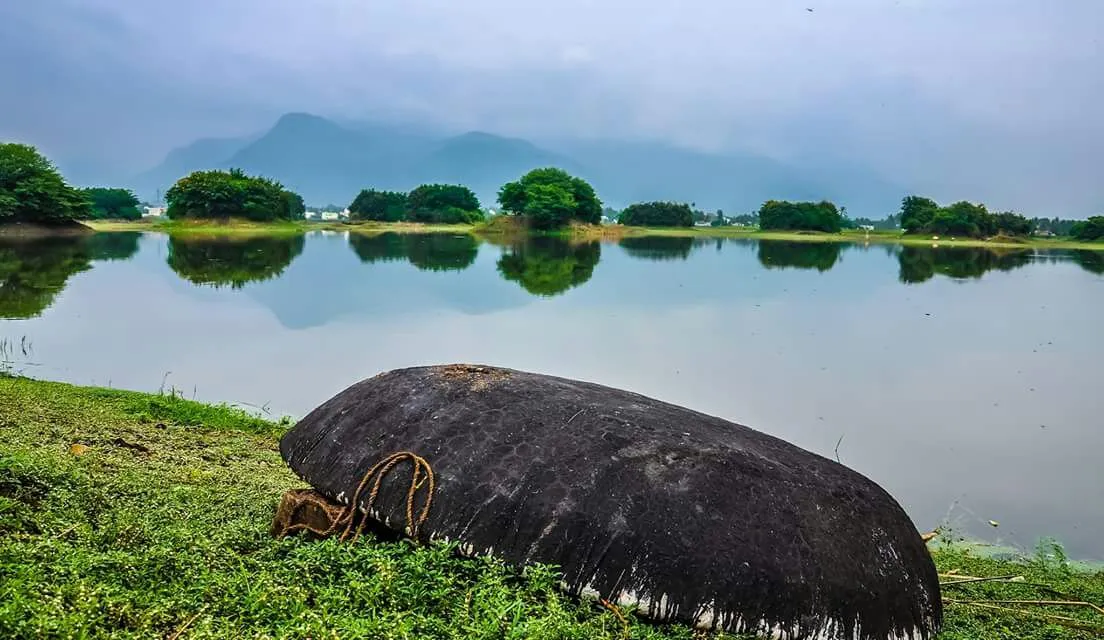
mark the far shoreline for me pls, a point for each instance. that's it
(580, 232)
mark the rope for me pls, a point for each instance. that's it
(616, 611)
(421, 474)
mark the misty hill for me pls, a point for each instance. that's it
(205, 153)
(328, 162)
(484, 162)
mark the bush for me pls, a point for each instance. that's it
(923, 215)
(384, 206)
(551, 198)
(658, 214)
(232, 194)
(1089, 230)
(32, 190)
(443, 204)
(112, 204)
(800, 216)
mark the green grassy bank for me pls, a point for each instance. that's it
(510, 227)
(129, 515)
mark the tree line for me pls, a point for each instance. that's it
(549, 198)
(430, 203)
(967, 219)
(32, 190)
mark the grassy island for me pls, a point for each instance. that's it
(132, 515)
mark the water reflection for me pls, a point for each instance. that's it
(428, 252)
(658, 247)
(33, 273)
(548, 266)
(779, 254)
(920, 264)
(1091, 261)
(230, 261)
(113, 246)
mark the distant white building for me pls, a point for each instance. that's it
(331, 215)
(310, 215)
(153, 212)
(866, 227)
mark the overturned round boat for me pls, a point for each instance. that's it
(686, 516)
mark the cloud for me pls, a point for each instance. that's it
(899, 84)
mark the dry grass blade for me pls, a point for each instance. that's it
(971, 580)
(1047, 603)
(1065, 621)
(187, 624)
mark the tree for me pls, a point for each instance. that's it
(923, 215)
(800, 216)
(960, 219)
(888, 224)
(113, 204)
(1013, 224)
(1088, 230)
(294, 203)
(548, 266)
(917, 213)
(548, 205)
(443, 204)
(232, 194)
(1054, 226)
(747, 219)
(550, 198)
(658, 214)
(233, 262)
(384, 206)
(32, 190)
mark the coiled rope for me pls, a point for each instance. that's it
(421, 475)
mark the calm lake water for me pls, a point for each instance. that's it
(966, 382)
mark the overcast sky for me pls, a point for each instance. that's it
(998, 96)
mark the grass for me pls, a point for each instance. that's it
(204, 227)
(159, 528)
(503, 227)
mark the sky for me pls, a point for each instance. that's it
(992, 100)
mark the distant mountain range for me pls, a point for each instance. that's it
(328, 162)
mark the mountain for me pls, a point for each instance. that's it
(485, 162)
(206, 153)
(627, 172)
(326, 162)
(329, 162)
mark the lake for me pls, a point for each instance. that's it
(967, 382)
